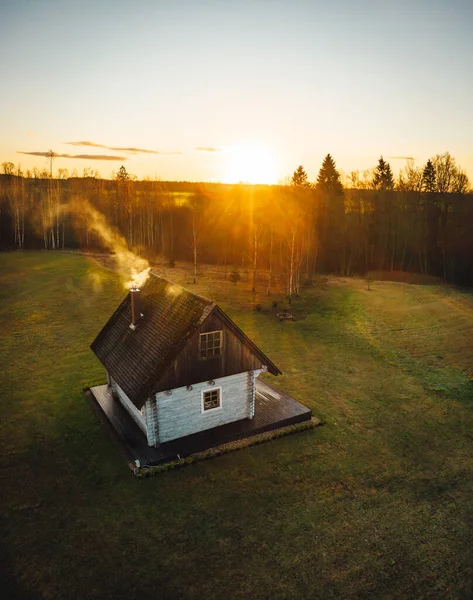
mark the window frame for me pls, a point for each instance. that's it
(202, 399)
(220, 331)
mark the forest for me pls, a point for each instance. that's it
(420, 222)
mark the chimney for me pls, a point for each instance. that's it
(135, 306)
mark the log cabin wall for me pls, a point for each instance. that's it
(188, 368)
(181, 413)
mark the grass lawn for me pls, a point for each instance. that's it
(377, 503)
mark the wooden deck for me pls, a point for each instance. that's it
(273, 409)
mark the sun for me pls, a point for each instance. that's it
(249, 163)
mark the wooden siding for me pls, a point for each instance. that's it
(252, 382)
(188, 368)
(129, 406)
(180, 414)
(151, 420)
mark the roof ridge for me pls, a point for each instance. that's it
(182, 287)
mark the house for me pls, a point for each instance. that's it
(178, 364)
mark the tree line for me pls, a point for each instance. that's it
(351, 224)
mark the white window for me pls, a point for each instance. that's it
(211, 399)
(210, 344)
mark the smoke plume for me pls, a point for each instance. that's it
(133, 269)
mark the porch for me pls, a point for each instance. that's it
(273, 409)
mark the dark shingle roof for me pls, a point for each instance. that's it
(138, 358)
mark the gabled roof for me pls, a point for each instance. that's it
(139, 358)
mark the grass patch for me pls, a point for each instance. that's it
(377, 503)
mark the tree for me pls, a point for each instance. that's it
(330, 195)
(429, 183)
(270, 269)
(196, 206)
(410, 178)
(383, 176)
(300, 183)
(53, 199)
(445, 178)
(256, 241)
(122, 174)
(299, 178)
(328, 179)
(450, 179)
(125, 199)
(294, 245)
(8, 168)
(461, 184)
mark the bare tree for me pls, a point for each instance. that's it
(256, 241)
(270, 269)
(8, 168)
(410, 178)
(196, 206)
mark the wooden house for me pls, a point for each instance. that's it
(178, 364)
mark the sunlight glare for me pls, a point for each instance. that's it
(249, 163)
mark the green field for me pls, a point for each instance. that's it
(376, 503)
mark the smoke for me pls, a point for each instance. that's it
(138, 278)
(133, 269)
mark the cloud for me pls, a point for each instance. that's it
(86, 144)
(96, 156)
(115, 149)
(401, 157)
(207, 149)
(135, 150)
(84, 156)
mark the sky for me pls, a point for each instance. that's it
(230, 90)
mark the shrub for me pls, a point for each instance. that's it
(234, 276)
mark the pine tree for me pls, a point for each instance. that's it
(383, 177)
(429, 183)
(328, 179)
(122, 174)
(299, 178)
(330, 209)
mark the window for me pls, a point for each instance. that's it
(211, 399)
(210, 344)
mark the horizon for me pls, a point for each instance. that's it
(219, 92)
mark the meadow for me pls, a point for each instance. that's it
(376, 503)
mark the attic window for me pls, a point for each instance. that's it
(211, 399)
(210, 344)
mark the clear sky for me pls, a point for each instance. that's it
(216, 86)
